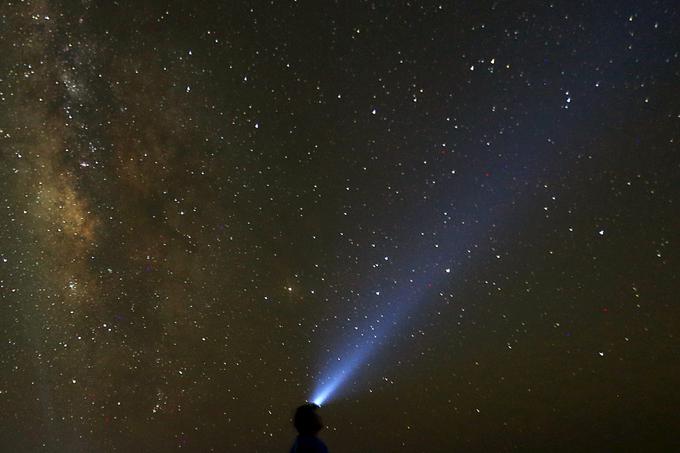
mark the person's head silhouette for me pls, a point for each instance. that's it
(308, 424)
(306, 420)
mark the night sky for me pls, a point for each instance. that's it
(466, 210)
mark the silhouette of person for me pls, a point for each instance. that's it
(308, 424)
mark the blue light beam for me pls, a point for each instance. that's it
(374, 332)
(492, 190)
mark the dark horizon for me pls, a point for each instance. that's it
(468, 210)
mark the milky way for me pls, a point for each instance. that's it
(467, 210)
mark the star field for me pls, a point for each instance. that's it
(208, 210)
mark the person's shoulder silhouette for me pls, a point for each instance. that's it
(308, 424)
